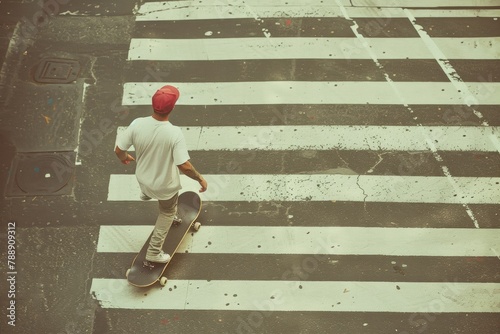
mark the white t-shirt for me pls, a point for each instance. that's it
(160, 147)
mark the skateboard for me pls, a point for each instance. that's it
(144, 273)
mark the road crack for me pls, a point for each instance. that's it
(346, 165)
(380, 159)
(364, 192)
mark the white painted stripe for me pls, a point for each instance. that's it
(301, 296)
(313, 240)
(212, 12)
(187, 10)
(309, 48)
(252, 9)
(327, 187)
(315, 92)
(496, 141)
(437, 13)
(304, 137)
(468, 47)
(426, 3)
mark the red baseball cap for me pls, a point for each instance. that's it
(164, 99)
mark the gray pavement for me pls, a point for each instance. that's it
(58, 225)
(55, 238)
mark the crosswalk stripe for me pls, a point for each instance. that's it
(285, 138)
(309, 48)
(314, 240)
(264, 296)
(315, 92)
(186, 10)
(254, 240)
(327, 187)
(426, 3)
(458, 13)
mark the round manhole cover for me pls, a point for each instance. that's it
(43, 174)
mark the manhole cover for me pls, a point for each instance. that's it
(56, 70)
(41, 174)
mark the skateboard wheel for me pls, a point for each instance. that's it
(197, 226)
(128, 272)
(163, 281)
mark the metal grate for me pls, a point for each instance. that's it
(55, 70)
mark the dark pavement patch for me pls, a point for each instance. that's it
(54, 267)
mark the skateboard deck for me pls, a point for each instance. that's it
(143, 273)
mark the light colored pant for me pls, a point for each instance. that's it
(168, 210)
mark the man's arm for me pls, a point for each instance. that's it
(188, 169)
(124, 157)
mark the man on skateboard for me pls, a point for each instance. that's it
(161, 152)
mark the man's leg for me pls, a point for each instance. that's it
(168, 209)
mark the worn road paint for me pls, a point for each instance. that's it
(448, 69)
(404, 101)
(309, 48)
(326, 187)
(296, 295)
(187, 10)
(312, 92)
(388, 241)
(318, 137)
(425, 3)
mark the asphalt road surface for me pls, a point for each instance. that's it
(351, 150)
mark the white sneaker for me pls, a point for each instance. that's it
(145, 197)
(160, 258)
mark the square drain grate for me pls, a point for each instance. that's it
(56, 70)
(42, 173)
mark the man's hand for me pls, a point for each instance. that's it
(203, 184)
(188, 169)
(124, 157)
(127, 160)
